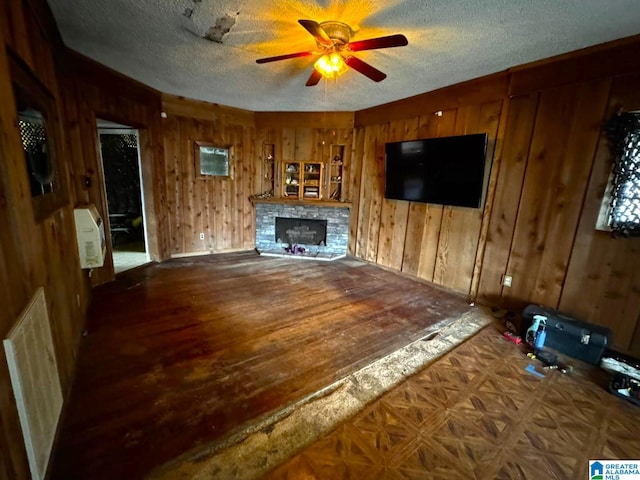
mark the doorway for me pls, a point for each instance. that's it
(120, 153)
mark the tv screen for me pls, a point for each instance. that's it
(445, 170)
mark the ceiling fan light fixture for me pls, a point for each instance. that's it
(335, 47)
(331, 65)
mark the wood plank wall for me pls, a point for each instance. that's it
(549, 172)
(33, 253)
(603, 276)
(308, 136)
(436, 243)
(319, 145)
(555, 167)
(94, 92)
(219, 208)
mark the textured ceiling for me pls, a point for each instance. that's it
(157, 43)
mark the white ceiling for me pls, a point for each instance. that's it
(450, 41)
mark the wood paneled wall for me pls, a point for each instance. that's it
(33, 253)
(559, 128)
(219, 208)
(307, 137)
(548, 176)
(602, 281)
(433, 242)
(554, 170)
(93, 92)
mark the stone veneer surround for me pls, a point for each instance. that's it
(337, 218)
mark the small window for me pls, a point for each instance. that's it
(620, 211)
(40, 132)
(212, 160)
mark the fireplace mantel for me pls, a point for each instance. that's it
(297, 201)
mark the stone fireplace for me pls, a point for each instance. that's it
(321, 228)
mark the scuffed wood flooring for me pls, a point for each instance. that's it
(183, 353)
(477, 414)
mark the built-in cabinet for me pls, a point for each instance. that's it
(302, 180)
(314, 180)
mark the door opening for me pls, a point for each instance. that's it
(120, 152)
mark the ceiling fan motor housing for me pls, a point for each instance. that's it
(339, 32)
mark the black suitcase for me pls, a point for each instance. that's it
(571, 336)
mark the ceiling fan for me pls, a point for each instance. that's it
(335, 47)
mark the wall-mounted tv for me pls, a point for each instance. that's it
(445, 170)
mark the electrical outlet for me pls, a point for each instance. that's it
(201, 235)
(506, 280)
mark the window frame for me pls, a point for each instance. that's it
(199, 145)
(44, 205)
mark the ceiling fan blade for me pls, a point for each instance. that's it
(315, 77)
(365, 69)
(316, 30)
(379, 42)
(284, 57)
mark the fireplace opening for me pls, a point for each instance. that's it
(301, 231)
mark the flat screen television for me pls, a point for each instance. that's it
(445, 170)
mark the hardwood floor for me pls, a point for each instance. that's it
(186, 352)
(478, 414)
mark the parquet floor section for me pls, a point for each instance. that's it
(477, 414)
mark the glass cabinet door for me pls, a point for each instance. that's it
(312, 180)
(302, 180)
(292, 179)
